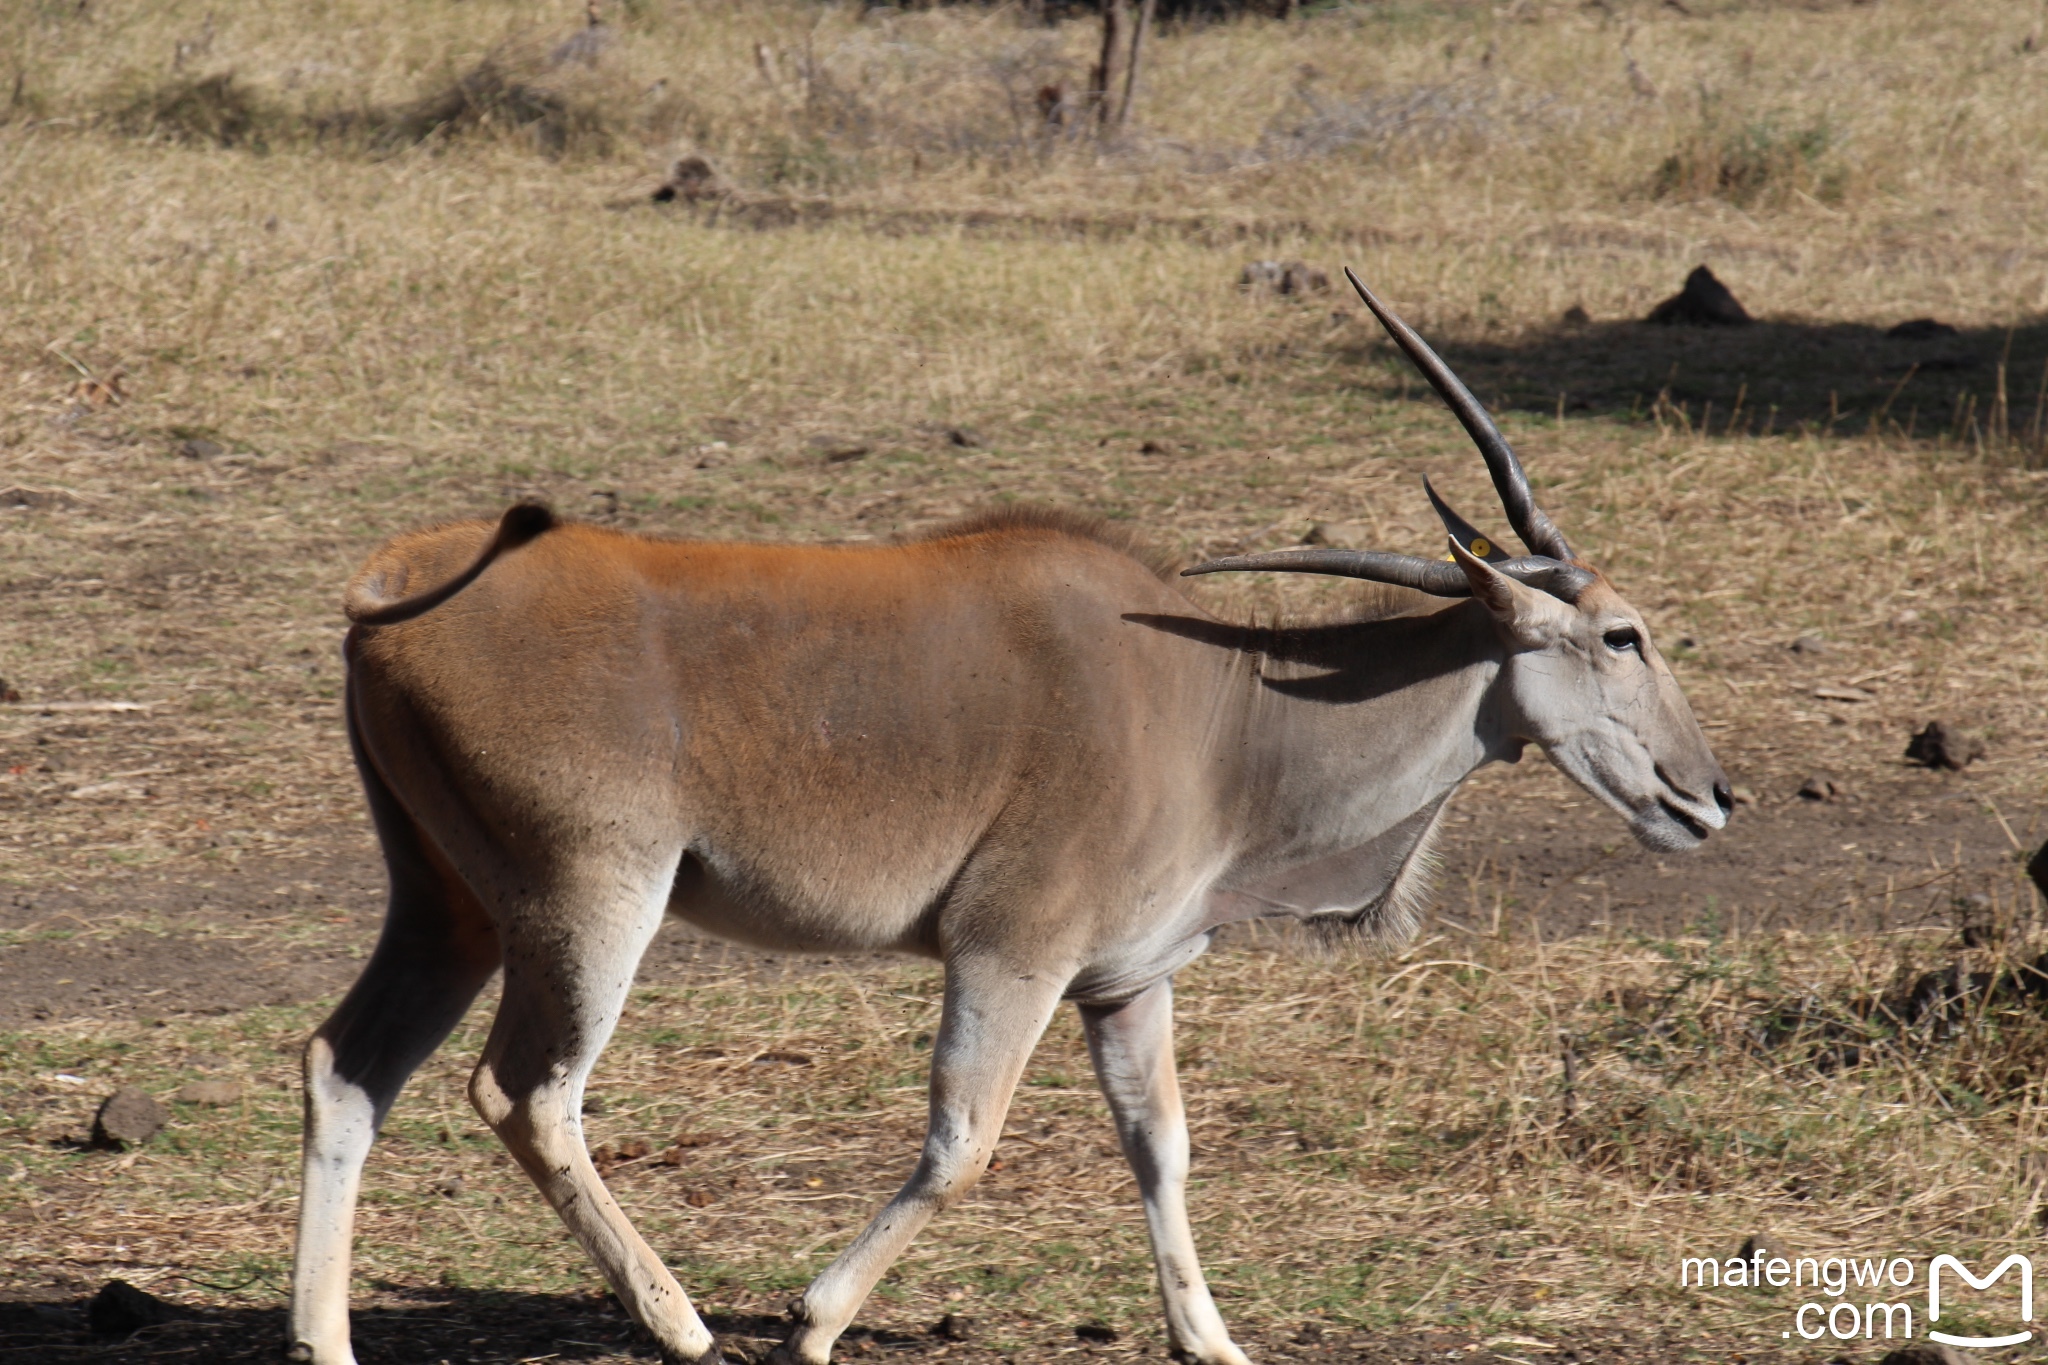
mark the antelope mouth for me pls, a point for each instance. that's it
(1690, 824)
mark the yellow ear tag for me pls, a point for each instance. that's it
(1479, 548)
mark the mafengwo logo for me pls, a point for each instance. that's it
(1873, 1297)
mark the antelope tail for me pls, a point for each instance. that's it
(523, 521)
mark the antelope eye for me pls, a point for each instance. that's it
(1624, 639)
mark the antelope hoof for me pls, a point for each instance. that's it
(714, 1354)
(305, 1353)
(789, 1353)
(1227, 1354)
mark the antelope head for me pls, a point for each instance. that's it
(1580, 675)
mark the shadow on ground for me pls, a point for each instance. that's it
(1769, 376)
(467, 1327)
(408, 1327)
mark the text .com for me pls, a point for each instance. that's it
(1873, 1298)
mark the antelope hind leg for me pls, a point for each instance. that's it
(563, 995)
(992, 1018)
(436, 951)
(1132, 1044)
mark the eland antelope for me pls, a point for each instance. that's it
(1012, 746)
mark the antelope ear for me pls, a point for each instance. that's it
(1530, 617)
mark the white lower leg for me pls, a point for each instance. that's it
(544, 1133)
(1132, 1045)
(985, 1038)
(341, 1123)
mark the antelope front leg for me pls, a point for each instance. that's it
(993, 1017)
(1132, 1045)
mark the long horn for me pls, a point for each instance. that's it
(1438, 577)
(1536, 530)
(1476, 543)
(1434, 576)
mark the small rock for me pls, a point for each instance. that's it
(1758, 1245)
(692, 179)
(837, 449)
(953, 1327)
(1921, 329)
(1577, 316)
(1928, 1353)
(1152, 448)
(1938, 746)
(215, 1093)
(1099, 1332)
(109, 791)
(967, 438)
(1819, 789)
(1908, 617)
(128, 1118)
(1703, 302)
(1283, 277)
(1345, 535)
(1742, 796)
(1808, 644)
(121, 1310)
(197, 449)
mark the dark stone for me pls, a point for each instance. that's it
(1921, 329)
(127, 1118)
(1927, 1353)
(1937, 746)
(1808, 644)
(1284, 277)
(1098, 1332)
(1818, 789)
(121, 1310)
(1704, 302)
(953, 1327)
(692, 179)
(967, 438)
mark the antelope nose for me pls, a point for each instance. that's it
(1724, 797)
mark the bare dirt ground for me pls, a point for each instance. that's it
(1907, 848)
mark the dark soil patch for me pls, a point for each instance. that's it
(1908, 849)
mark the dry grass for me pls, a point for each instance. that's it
(350, 284)
(1373, 1141)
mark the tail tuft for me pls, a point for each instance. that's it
(522, 522)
